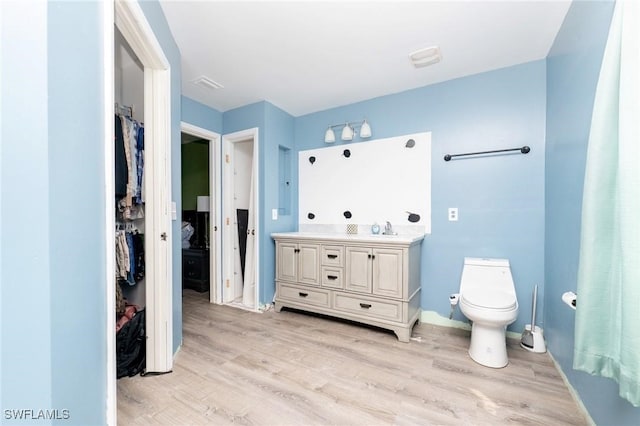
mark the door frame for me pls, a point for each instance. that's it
(215, 206)
(228, 259)
(132, 23)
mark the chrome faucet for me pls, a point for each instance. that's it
(388, 229)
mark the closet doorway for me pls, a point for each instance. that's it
(240, 286)
(205, 221)
(130, 21)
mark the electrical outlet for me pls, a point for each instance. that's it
(274, 214)
(453, 214)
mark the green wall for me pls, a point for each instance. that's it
(195, 173)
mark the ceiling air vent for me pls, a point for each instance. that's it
(207, 82)
(424, 57)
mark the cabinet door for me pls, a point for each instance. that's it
(387, 272)
(287, 269)
(309, 264)
(358, 269)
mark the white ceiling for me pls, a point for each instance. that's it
(307, 56)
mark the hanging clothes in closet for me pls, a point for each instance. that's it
(129, 255)
(129, 193)
(129, 164)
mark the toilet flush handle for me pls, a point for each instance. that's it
(453, 300)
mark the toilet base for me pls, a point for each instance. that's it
(488, 345)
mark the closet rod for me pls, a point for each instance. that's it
(525, 150)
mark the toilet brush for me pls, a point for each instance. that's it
(527, 335)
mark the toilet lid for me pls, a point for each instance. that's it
(489, 299)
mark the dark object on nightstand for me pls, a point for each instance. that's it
(195, 269)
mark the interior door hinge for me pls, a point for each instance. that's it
(227, 221)
(227, 159)
(228, 284)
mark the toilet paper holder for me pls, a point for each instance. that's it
(571, 299)
(453, 299)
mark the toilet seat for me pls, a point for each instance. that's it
(483, 299)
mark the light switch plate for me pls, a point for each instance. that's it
(274, 214)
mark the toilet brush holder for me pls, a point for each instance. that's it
(538, 340)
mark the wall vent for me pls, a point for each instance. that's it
(425, 57)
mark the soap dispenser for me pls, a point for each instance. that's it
(375, 229)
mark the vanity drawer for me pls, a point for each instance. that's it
(373, 308)
(303, 294)
(333, 255)
(332, 277)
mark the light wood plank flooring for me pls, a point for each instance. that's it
(291, 368)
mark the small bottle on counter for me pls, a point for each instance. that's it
(375, 229)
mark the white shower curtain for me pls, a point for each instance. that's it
(248, 290)
(607, 338)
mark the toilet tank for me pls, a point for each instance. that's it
(487, 274)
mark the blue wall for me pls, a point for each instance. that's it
(275, 129)
(76, 210)
(573, 67)
(193, 112)
(25, 281)
(500, 199)
(52, 211)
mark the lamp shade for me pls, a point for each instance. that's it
(365, 130)
(329, 136)
(202, 204)
(347, 133)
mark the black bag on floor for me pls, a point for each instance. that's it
(131, 347)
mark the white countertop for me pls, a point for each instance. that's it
(364, 238)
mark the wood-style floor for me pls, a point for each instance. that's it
(291, 368)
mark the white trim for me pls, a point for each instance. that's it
(133, 24)
(109, 188)
(215, 200)
(227, 176)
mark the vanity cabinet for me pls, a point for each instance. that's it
(377, 271)
(373, 280)
(298, 262)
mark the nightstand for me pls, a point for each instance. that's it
(195, 269)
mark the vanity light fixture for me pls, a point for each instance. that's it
(348, 131)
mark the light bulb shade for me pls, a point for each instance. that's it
(329, 136)
(347, 133)
(365, 130)
(202, 203)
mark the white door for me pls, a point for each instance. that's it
(240, 191)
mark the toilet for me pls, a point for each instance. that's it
(488, 299)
